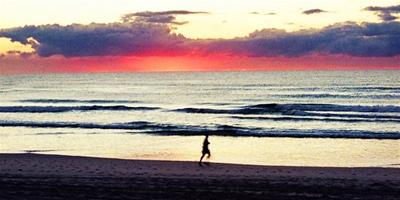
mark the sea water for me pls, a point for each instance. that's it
(323, 118)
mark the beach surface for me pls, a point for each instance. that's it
(40, 176)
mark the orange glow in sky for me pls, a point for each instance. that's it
(58, 64)
(91, 36)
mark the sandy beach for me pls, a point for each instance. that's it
(39, 176)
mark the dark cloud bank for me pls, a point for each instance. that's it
(149, 33)
(313, 11)
(96, 39)
(164, 17)
(385, 13)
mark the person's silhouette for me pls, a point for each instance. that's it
(205, 150)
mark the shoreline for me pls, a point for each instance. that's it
(52, 164)
(36, 176)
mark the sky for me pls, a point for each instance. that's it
(46, 36)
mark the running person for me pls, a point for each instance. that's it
(206, 150)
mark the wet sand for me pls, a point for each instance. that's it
(39, 176)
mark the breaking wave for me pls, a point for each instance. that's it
(220, 130)
(58, 109)
(296, 109)
(75, 101)
(339, 96)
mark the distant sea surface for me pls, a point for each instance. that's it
(314, 104)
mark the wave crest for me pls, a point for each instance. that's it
(58, 109)
(220, 130)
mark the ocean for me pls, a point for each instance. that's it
(165, 115)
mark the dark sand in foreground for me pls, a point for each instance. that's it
(36, 176)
